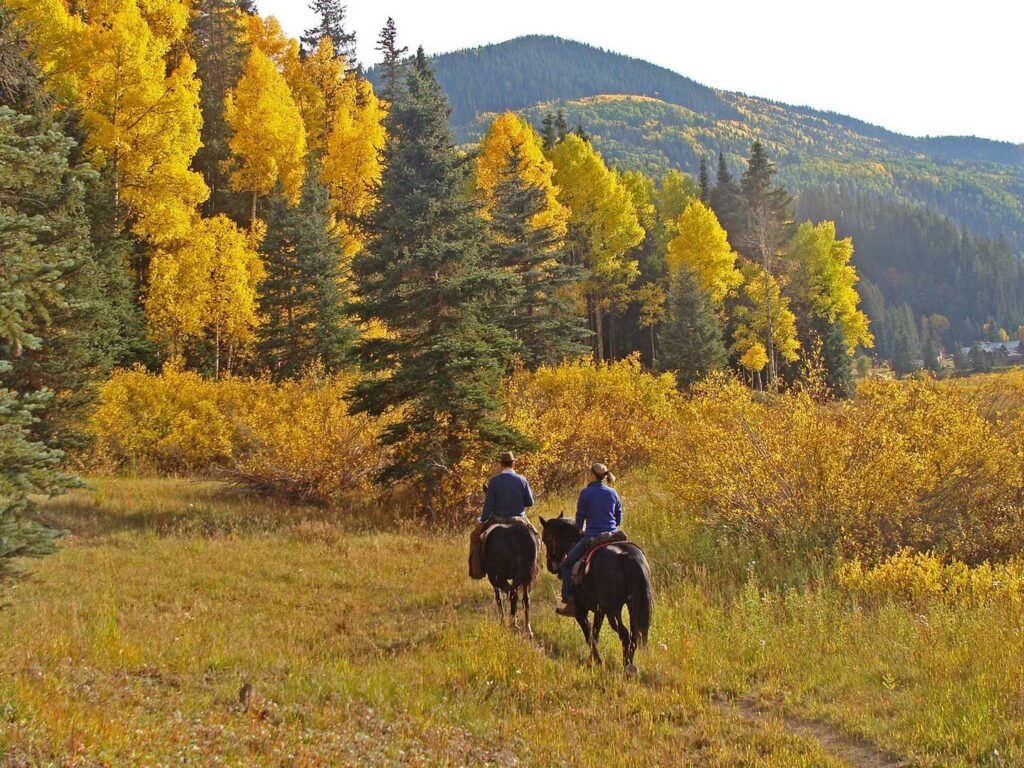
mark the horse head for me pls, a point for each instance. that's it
(558, 535)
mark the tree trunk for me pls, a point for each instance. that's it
(770, 346)
(654, 359)
(599, 326)
(252, 214)
(216, 352)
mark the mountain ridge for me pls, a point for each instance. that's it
(645, 116)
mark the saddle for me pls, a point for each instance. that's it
(478, 541)
(582, 566)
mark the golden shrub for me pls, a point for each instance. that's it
(905, 464)
(296, 438)
(924, 578)
(299, 438)
(578, 413)
(166, 423)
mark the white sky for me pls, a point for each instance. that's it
(917, 67)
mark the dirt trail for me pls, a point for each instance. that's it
(852, 750)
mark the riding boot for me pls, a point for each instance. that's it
(567, 609)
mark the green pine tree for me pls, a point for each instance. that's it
(40, 211)
(391, 63)
(539, 311)
(549, 131)
(561, 125)
(705, 180)
(83, 322)
(836, 359)
(427, 278)
(301, 297)
(727, 202)
(217, 47)
(330, 16)
(931, 357)
(690, 340)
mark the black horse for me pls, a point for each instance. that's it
(619, 576)
(510, 560)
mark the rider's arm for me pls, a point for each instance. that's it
(527, 494)
(618, 510)
(488, 504)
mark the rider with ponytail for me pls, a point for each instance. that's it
(598, 511)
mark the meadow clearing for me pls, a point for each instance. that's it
(366, 644)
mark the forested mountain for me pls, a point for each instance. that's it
(644, 116)
(920, 259)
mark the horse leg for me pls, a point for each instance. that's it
(584, 622)
(615, 619)
(595, 632)
(501, 607)
(513, 598)
(526, 609)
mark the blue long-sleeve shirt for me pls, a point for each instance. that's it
(508, 495)
(598, 509)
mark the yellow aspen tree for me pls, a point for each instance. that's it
(351, 167)
(269, 138)
(139, 102)
(234, 278)
(266, 35)
(206, 286)
(826, 280)
(603, 226)
(763, 310)
(507, 132)
(702, 246)
(319, 91)
(56, 35)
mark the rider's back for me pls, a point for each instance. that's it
(598, 510)
(508, 495)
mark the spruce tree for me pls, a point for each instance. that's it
(40, 216)
(691, 338)
(549, 131)
(727, 202)
(331, 23)
(539, 311)
(705, 180)
(561, 125)
(217, 47)
(426, 276)
(767, 229)
(580, 131)
(391, 64)
(301, 297)
(836, 359)
(84, 320)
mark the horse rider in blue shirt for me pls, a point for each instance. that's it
(508, 495)
(598, 511)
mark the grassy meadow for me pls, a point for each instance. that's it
(368, 645)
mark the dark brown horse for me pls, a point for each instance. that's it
(510, 560)
(619, 577)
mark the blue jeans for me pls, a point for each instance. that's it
(565, 569)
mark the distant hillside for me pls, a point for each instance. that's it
(645, 116)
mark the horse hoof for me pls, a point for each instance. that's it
(632, 670)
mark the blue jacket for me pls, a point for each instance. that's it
(508, 495)
(598, 510)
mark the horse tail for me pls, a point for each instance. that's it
(639, 596)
